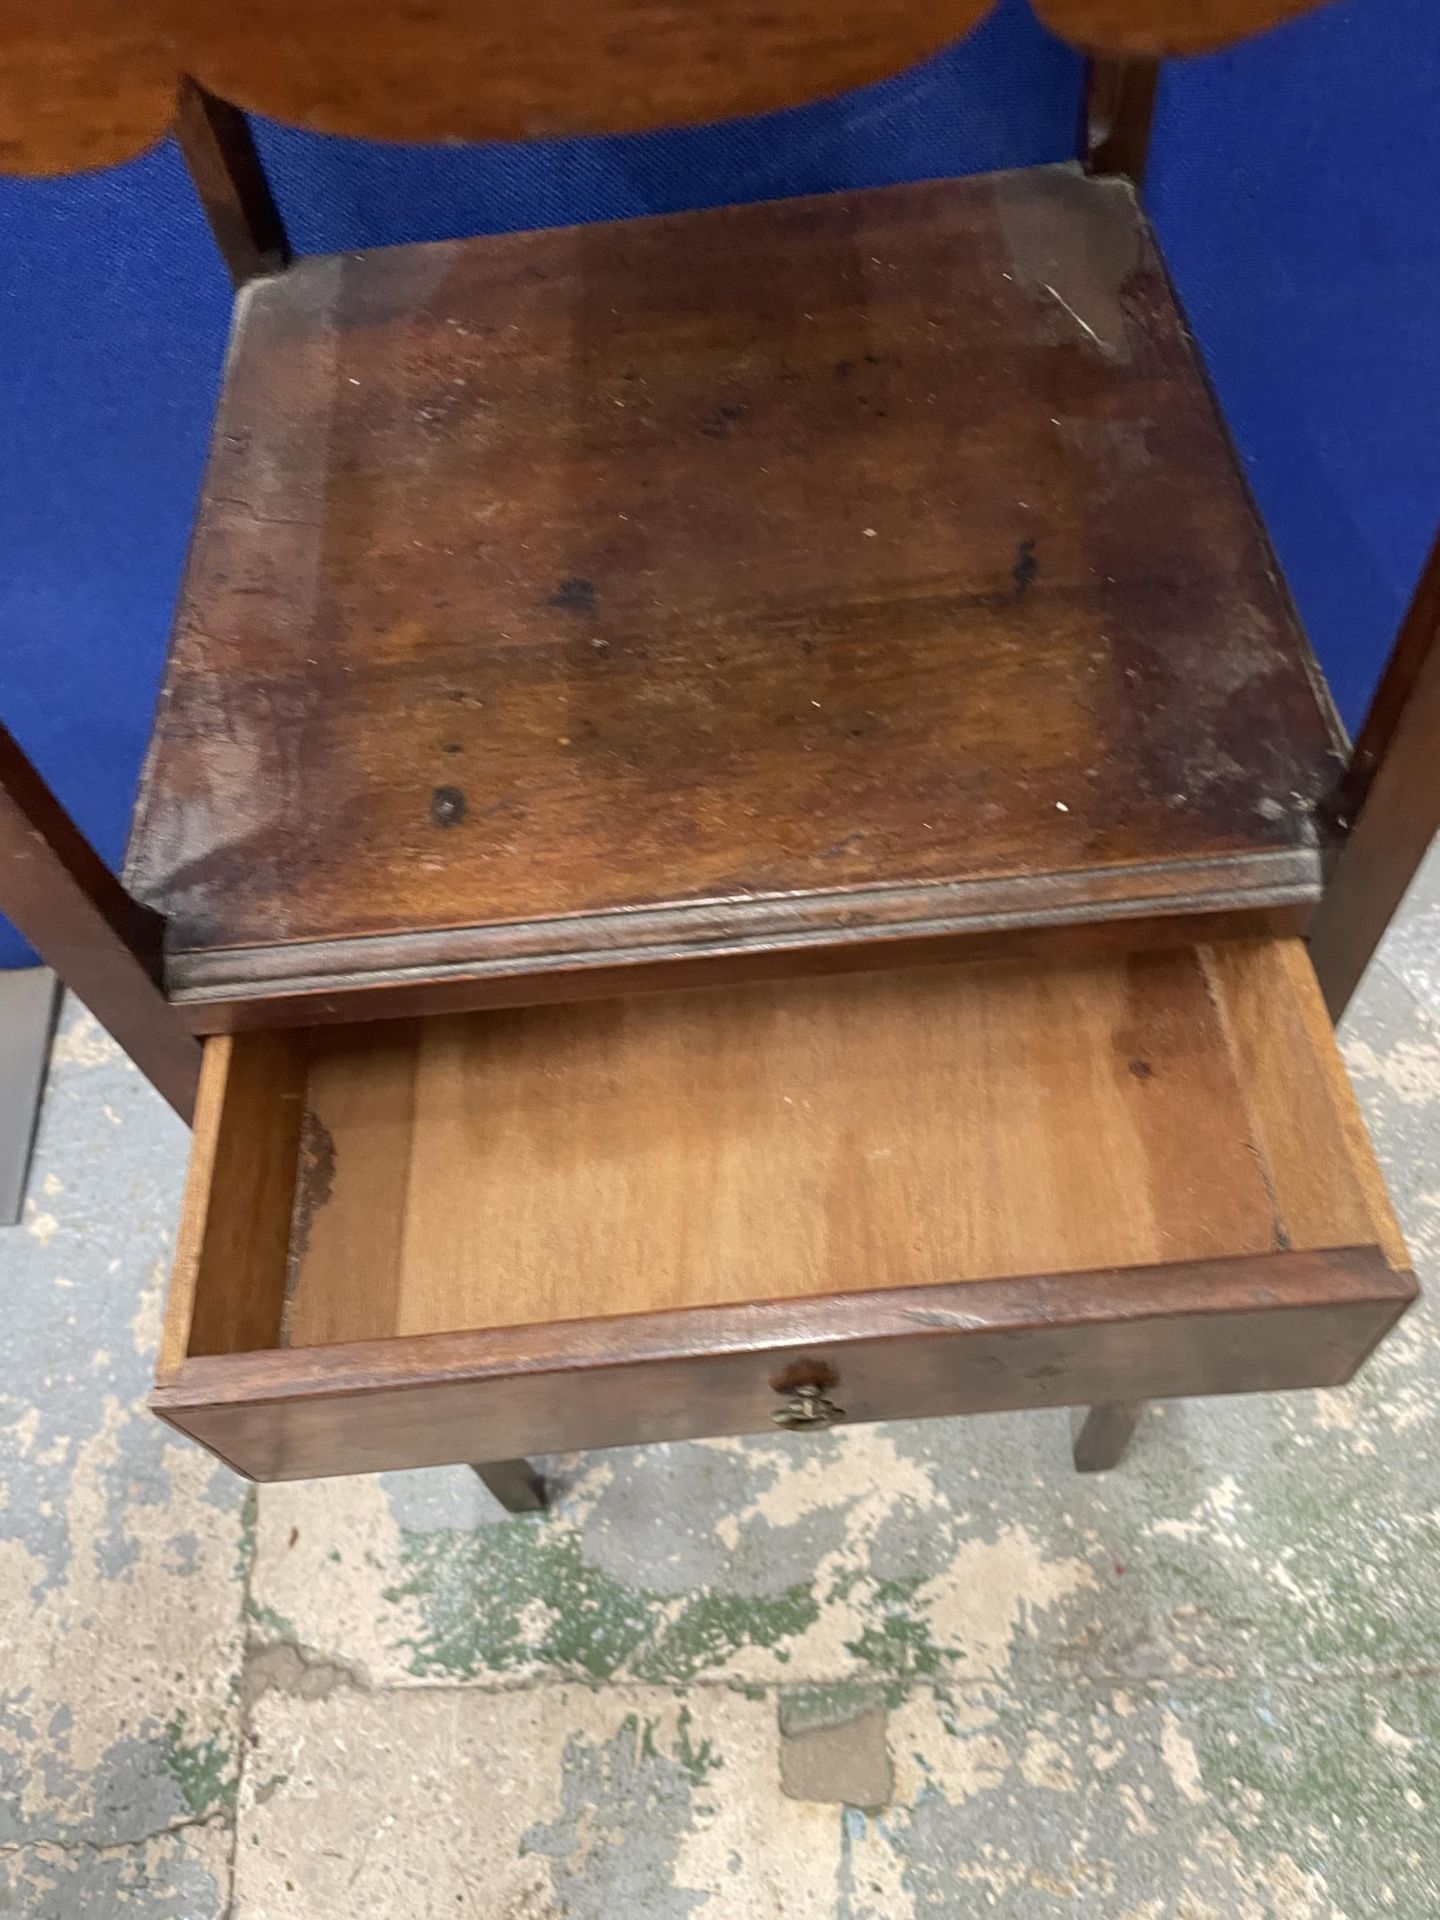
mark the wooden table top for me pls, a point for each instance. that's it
(765, 579)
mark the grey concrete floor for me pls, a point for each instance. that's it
(914, 1670)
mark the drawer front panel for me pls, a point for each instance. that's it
(1283, 1320)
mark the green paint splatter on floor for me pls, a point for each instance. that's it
(699, 1760)
(505, 1598)
(267, 1617)
(898, 1649)
(479, 1594)
(204, 1770)
(1342, 1776)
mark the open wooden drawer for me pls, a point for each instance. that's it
(942, 1190)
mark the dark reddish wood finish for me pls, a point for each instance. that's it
(219, 150)
(1389, 803)
(1225, 1326)
(82, 923)
(761, 580)
(1119, 110)
(326, 1002)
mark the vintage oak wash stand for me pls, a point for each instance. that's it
(736, 802)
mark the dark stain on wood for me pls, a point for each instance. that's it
(574, 595)
(1026, 568)
(447, 806)
(720, 423)
(807, 1371)
(314, 1183)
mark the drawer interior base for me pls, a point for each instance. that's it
(839, 1136)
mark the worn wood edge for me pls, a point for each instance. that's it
(1229, 980)
(1309, 660)
(636, 937)
(178, 1424)
(194, 1207)
(1345, 1106)
(1259, 1283)
(423, 996)
(516, 245)
(240, 304)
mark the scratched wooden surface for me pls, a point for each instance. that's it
(86, 83)
(800, 573)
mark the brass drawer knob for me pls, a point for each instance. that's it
(806, 1410)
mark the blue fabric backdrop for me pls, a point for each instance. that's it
(1294, 181)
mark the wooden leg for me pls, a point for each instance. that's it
(82, 923)
(515, 1484)
(1389, 803)
(1119, 107)
(1104, 1435)
(218, 147)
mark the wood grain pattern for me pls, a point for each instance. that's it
(352, 1199)
(407, 993)
(772, 578)
(236, 1220)
(1256, 1325)
(90, 82)
(1300, 1101)
(102, 943)
(618, 1185)
(1389, 801)
(83, 83)
(682, 1150)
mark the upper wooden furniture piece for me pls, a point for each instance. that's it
(747, 596)
(86, 83)
(570, 608)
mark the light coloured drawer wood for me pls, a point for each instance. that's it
(942, 1190)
